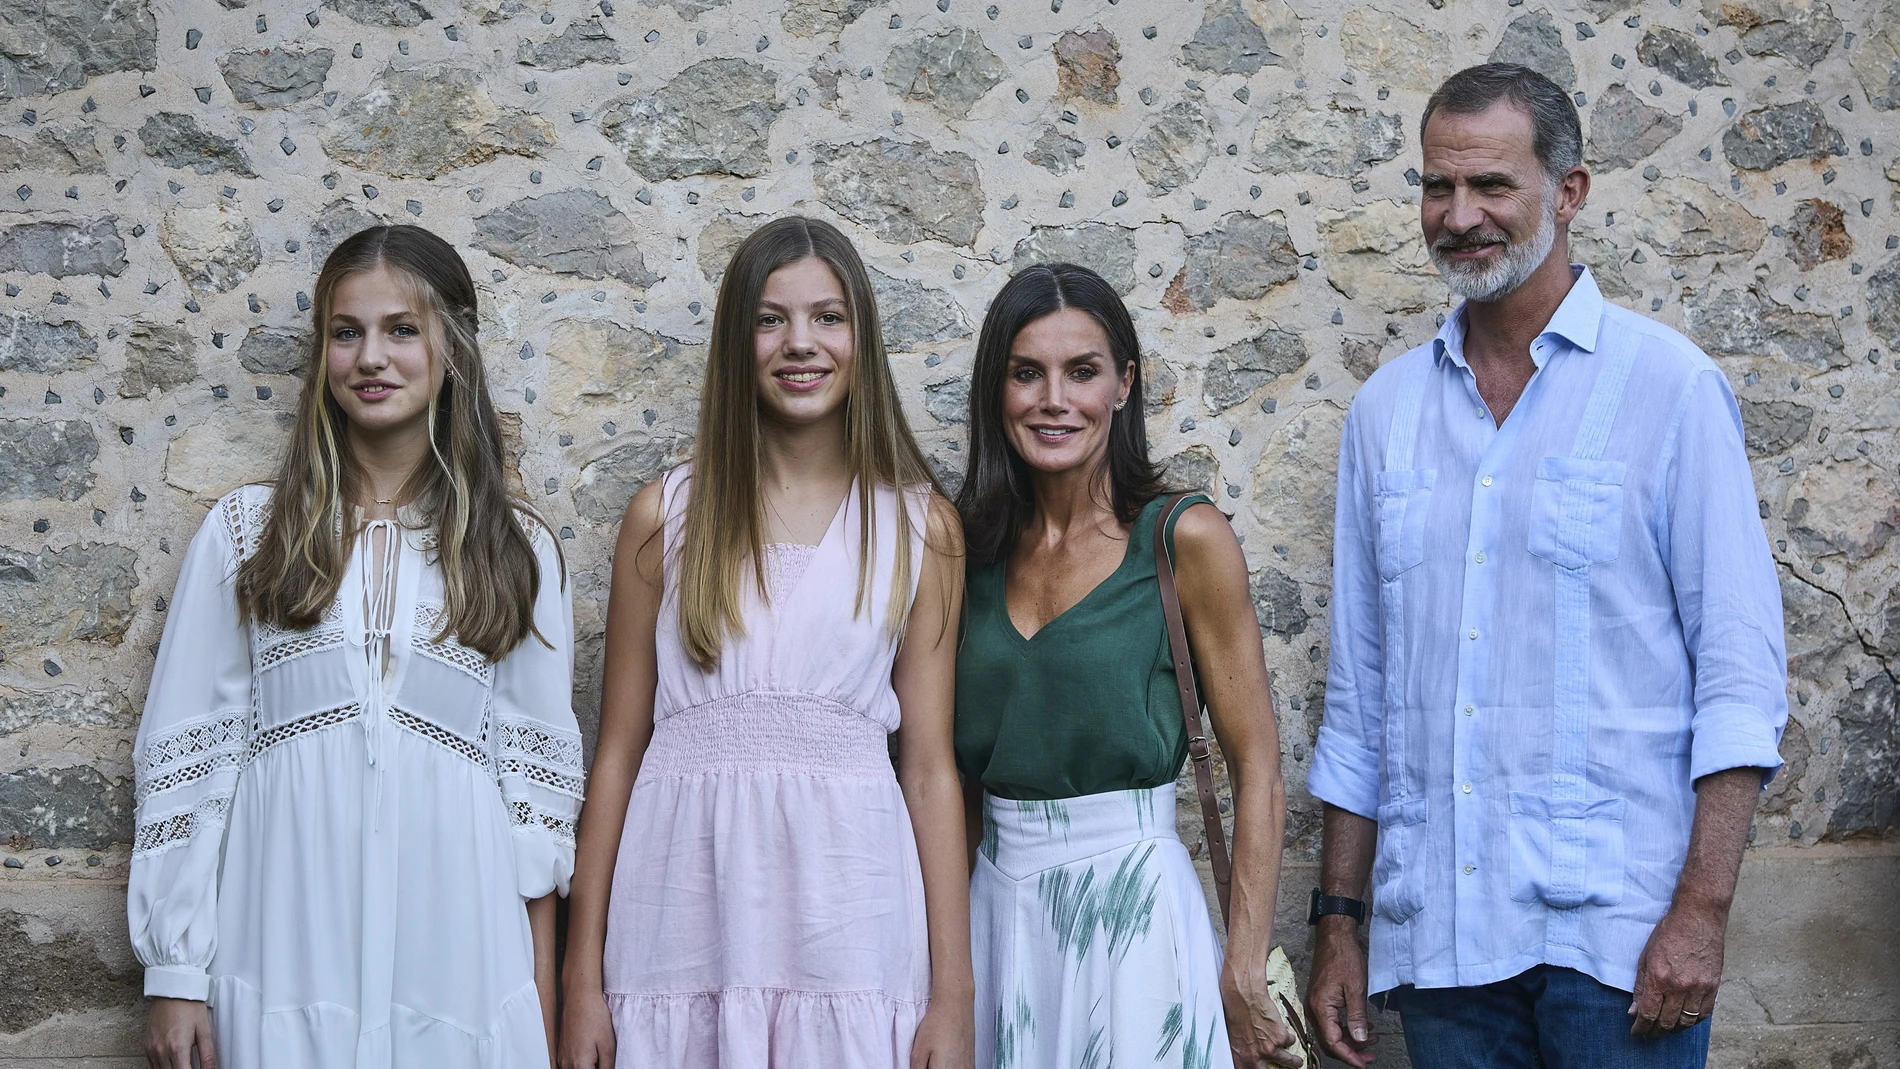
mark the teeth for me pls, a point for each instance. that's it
(802, 376)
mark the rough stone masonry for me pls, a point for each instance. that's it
(1243, 171)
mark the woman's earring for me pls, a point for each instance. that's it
(1121, 404)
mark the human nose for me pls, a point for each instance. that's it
(1462, 214)
(1054, 395)
(799, 337)
(372, 354)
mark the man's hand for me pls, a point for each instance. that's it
(1679, 971)
(1336, 993)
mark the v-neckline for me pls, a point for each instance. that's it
(1003, 575)
(808, 550)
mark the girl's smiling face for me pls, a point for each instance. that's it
(802, 343)
(376, 353)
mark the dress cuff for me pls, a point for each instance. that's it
(1732, 736)
(542, 865)
(177, 981)
(1344, 774)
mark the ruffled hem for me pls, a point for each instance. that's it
(764, 1028)
(327, 1035)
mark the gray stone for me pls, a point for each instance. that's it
(1087, 66)
(80, 593)
(1375, 251)
(948, 402)
(1534, 41)
(1677, 55)
(72, 808)
(1056, 152)
(914, 315)
(50, 46)
(1820, 636)
(1360, 356)
(581, 43)
(1605, 259)
(63, 249)
(1818, 233)
(950, 71)
(821, 18)
(1193, 468)
(1241, 258)
(1336, 141)
(338, 220)
(1276, 603)
(1883, 302)
(1781, 796)
(1876, 57)
(1393, 49)
(1774, 135)
(596, 364)
(213, 246)
(1294, 485)
(425, 123)
(392, 13)
(1744, 323)
(46, 459)
(1624, 130)
(714, 117)
(1241, 36)
(1680, 217)
(56, 149)
(270, 352)
(1800, 30)
(573, 232)
(28, 344)
(1174, 149)
(157, 357)
(179, 142)
(58, 972)
(718, 240)
(1104, 248)
(1770, 427)
(78, 707)
(690, 9)
(230, 448)
(1234, 373)
(1870, 761)
(1159, 384)
(903, 191)
(607, 484)
(1848, 509)
(275, 77)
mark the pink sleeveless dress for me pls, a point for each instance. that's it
(768, 906)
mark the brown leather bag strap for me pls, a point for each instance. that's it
(1198, 751)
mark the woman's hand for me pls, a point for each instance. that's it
(946, 1037)
(1255, 1030)
(587, 1031)
(173, 1029)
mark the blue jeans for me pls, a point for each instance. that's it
(1543, 1018)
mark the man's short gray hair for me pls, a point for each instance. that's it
(1556, 133)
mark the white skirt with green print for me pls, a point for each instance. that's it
(1092, 942)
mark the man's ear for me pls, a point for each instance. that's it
(1572, 191)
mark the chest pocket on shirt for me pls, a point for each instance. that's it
(1566, 853)
(1402, 499)
(1576, 511)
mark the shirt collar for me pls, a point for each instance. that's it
(1577, 321)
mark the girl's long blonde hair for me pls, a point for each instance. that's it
(723, 534)
(490, 575)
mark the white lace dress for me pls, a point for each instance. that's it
(337, 857)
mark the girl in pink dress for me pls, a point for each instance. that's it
(781, 898)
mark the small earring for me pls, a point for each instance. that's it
(1121, 404)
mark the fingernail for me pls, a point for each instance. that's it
(1359, 1033)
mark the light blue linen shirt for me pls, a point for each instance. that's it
(1542, 635)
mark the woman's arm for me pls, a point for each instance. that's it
(925, 680)
(626, 724)
(541, 929)
(1224, 636)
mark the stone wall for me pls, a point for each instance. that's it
(1244, 171)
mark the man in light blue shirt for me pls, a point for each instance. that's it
(1558, 677)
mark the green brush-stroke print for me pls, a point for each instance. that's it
(1122, 909)
(1198, 1053)
(1011, 1028)
(1053, 814)
(1095, 1055)
(1144, 809)
(988, 843)
(1171, 1030)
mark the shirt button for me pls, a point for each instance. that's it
(1467, 788)
(1469, 709)
(1480, 556)
(1469, 869)
(1472, 634)
(1486, 480)
(1480, 413)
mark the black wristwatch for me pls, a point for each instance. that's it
(1325, 905)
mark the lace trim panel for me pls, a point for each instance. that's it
(429, 621)
(542, 753)
(527, 816)
(283, 733)
(244, 512)
(473, 752)
(297, 644)
(560, 783)
(159, 835)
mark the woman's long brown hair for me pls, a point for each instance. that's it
(723, 534)
(490, 576)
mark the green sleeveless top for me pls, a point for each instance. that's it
(1086, 705)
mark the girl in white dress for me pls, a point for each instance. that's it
(358, 767)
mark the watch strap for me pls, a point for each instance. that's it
(1324, 905)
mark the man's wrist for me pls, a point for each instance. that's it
(1336, 924)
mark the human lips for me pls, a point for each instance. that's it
(801, 378)
(1053, 434)
(374, 389)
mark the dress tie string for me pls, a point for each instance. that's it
(378, 622)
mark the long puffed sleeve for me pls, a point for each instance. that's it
(191, 745)
(538, 742)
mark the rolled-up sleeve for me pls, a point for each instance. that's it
(1345, 768)
(1728, 594)
(538, 741)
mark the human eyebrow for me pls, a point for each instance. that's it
(1494, 178)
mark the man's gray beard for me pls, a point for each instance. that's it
(1519, 262)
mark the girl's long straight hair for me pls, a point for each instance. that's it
(997, 498)
(490, 575)
(722, 539)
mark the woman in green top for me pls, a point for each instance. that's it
(1092, 941)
